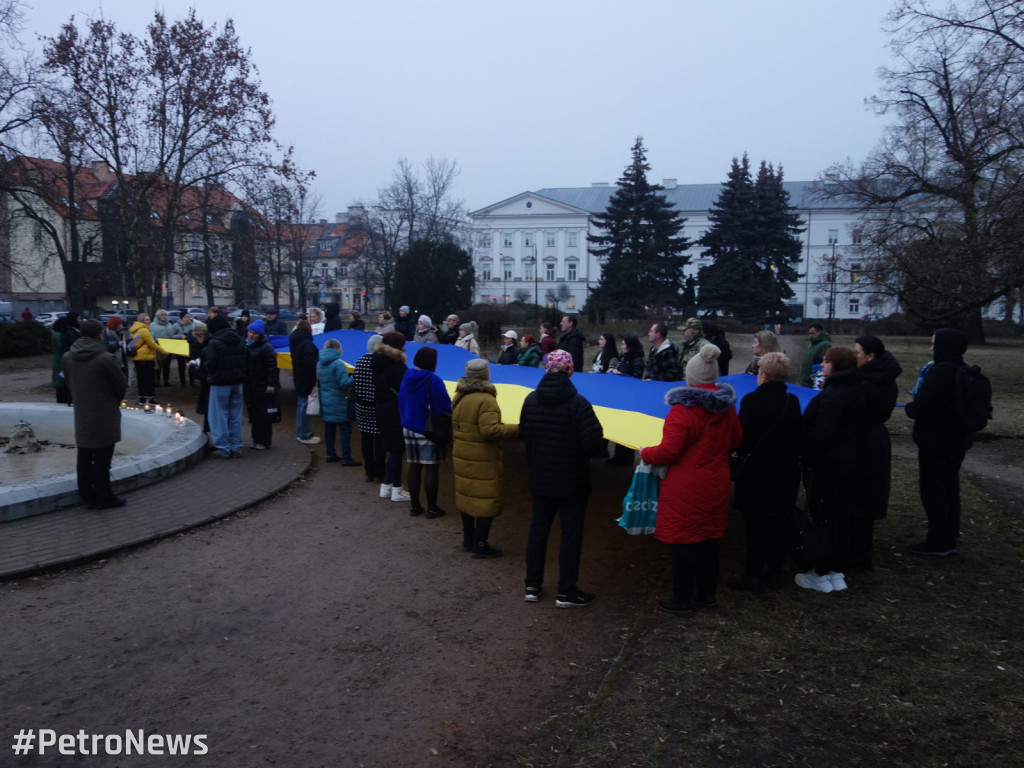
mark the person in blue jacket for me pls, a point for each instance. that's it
(423, 393)
(335, 386)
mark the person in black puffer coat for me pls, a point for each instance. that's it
(941, 443)
(878, 372)
(389, 368)
(261, 384)
(832, 422)
(305, 357)
(562, 434)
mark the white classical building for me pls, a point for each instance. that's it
(533, 247)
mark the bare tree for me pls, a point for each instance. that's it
(942, 195)
(411, 209)
(156, 110)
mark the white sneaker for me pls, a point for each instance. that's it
(811, 580)
(838, 581)
(385, 490)
(308, 440)
(397, 494)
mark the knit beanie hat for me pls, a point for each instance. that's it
(469, 327)
(424, 320)
(478, 368)
(703, 367)
(558, 360)
(426, 359)
(372, 342)
(257, 326)
(693, 323)
(394, 339)
(404, 308)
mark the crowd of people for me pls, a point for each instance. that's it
(754, 454)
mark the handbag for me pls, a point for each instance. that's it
(640, 505)
(273, 406)
(313, 402)
(438, 426)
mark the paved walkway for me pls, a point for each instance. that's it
(211, 489)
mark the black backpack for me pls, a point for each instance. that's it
(973, 392)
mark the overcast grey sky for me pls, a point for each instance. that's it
(547, 93)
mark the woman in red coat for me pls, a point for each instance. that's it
(701, 431)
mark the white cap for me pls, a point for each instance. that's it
(511, 335)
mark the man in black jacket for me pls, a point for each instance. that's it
(562, 434)
(572, 340)
(941, 443)
(223, 363)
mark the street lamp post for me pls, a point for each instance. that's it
(832, 290)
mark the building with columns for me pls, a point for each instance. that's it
(533, 247)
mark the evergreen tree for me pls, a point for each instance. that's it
(434, 277)
(752, 242)
(640, 245)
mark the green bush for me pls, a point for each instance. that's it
(23, 339)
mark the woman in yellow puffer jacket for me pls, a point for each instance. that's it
(146, 349)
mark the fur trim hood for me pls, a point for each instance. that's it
(392, 352)
(466, 386)
(711, 400)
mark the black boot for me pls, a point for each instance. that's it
(481, 549)
(468, 532)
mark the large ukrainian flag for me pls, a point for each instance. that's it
(631, 411)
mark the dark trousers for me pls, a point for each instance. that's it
(368, 442)
(939, 478)
(424, 476)
(259, 421)
(767, 542)
(344, 430)
(145, 378)
(862, 541)
(93, 468)
(475, 530)
(165, 366)
(695, 566)
(571, 513)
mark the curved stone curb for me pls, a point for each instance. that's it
(152, 448)
(207, 491)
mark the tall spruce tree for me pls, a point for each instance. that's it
(640, 245)
(752, 242)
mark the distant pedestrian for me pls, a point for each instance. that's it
(27, 315)
(449, 333)
(467, 338)
(404, 323)
(355, 321)
(97, 385)
(305, 357)
(422, 396)
(818, 342)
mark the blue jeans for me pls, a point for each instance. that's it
(344, 429)
(225, 415)
(303, 421)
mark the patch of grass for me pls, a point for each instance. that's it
(920, 662)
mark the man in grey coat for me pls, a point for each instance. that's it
(97, 384)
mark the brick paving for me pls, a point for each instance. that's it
(186, 500)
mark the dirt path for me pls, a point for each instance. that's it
(325, 627)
